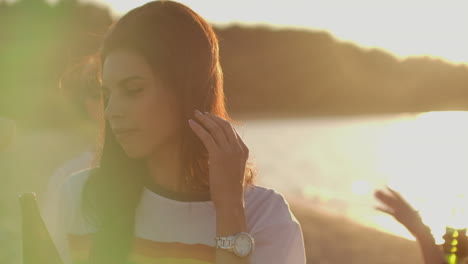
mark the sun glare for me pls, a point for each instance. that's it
(402, 27)
(361, 187)
(426, 158)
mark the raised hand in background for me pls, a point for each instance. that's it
(396, 206)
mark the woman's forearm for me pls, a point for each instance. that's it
(230, 221)
(432, 254)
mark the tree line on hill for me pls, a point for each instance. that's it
(267, 70)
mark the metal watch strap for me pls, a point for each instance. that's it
(229, 243)
(224, 242)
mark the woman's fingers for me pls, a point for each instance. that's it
(402, 202)
(396, 194)
(212, 127)
(204, 136)
(385, 210)
(231, 134)
(225, 125)
(241, 142)
(223, 133)
(387, 199)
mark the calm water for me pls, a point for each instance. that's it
(334, 164)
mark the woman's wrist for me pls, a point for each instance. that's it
(233, 197)
(230, 220)
(415, 225)
(423, 232)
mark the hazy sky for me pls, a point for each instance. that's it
(403, 27)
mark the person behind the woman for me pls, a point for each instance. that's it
(80, 84)
(173, 184)
(396, 206)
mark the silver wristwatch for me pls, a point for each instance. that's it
(241, 244)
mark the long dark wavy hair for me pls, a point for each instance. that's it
(182, 48)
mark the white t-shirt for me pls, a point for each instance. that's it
(169, 231)
(52, 195)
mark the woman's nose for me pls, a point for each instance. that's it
(113, 109)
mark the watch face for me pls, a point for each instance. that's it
(243, 245)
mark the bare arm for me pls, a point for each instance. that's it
(230, 221)
(404, 213)
(432, 254)
(228, 156)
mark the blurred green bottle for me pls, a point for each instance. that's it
(451, 246)
(38, 246)
(456, 242)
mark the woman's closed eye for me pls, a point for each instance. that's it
(130, 91)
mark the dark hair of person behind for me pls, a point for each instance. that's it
(80, 81)
(182, 49)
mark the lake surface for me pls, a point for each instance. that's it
(335, 163)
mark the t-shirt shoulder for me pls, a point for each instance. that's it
(274, 227)
(266, 207)
(72, 190)
(277, 233)
(69, 219)
(79, 178)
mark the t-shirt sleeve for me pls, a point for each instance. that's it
(59, 222)
(280, 243)
(66, 208)
(50, 202)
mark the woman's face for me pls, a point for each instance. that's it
(142, 112)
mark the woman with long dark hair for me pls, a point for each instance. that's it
(172, 183)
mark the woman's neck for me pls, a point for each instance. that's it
(166, 170)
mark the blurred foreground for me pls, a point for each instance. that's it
(328, 238)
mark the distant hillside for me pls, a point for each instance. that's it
(310, 72)
(267, 71)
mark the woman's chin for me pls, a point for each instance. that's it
(134, 153)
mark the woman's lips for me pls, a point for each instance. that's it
(123, 133)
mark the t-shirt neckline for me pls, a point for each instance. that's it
(164, 194)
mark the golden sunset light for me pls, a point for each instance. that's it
(402, 27)
(320, 131)
(419, 154)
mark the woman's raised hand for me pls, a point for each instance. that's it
(228, 156)
(396, 206)
(404, 213)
